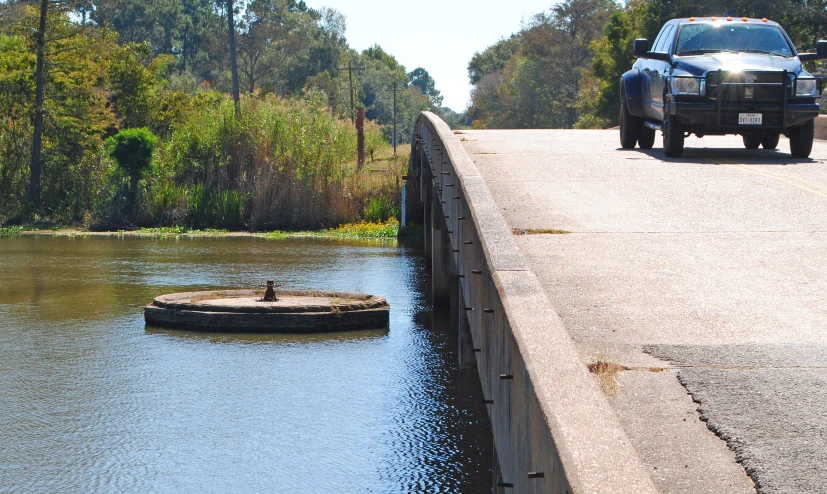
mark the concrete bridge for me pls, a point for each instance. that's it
(693, 289)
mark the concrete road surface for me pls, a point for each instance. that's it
(706, 276)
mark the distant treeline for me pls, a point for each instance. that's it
(109, 65)
(562, 70)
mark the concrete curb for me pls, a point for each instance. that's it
(553, 429)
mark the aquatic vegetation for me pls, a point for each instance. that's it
(11, 231)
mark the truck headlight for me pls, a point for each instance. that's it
(806, 87)
(686, 85)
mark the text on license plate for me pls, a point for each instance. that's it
(750, 119)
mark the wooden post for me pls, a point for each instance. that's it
(360, 135)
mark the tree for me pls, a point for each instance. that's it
(17, 63)
(39, 81)
(57, 114)
(537, 86)
(420, 78)
(135, 80)
(233, 63)
(58, 43)
(158, 23)
(132, 150)
(493, 59)
(326, 51)
(613, 56)
(274, 35)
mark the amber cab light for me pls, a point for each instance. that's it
(691, 19)
(764, 19)
(714, 19)
(729, 18)
(744, 19)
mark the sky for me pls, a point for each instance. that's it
(440, 36)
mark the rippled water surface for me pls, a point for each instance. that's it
(92, 400)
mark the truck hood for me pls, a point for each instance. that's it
(698, 64)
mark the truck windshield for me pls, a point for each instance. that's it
(697, 39)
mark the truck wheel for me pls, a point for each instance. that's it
(752, 141)
(770, 141)
(629, 126)
(646, 139)
(801, 139)
(673, 138)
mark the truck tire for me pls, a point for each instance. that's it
(646, 139)
(770, 141)
(629, 126)
(801, 139)
(673, 138)
(752, 141)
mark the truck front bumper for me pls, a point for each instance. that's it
(715, 118)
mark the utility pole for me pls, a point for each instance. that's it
(350, 77)
(395, 90)
(350, 68)
(394, 118)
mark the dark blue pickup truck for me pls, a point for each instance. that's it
(715, 76)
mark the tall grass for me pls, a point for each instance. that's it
(282, 164)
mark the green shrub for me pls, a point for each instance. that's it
(10, 231)
(132, 150)
(379, 208)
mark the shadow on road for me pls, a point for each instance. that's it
(717, 156)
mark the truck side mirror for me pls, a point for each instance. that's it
(820, 54)
(640, 47)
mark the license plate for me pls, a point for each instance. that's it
(750, 119)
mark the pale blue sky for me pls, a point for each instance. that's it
(440, 36)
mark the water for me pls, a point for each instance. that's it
(91, 400)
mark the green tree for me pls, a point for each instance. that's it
(135, 82)
(233, 55)
(67, 107)
(613, 56)
(17, 64)
(493, 59)
(132, 150)
(159, 23)
(376, 81)
(275, 33)
(420, 78)
(538, 85)
(327, 48)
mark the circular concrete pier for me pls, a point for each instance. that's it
(246, 311)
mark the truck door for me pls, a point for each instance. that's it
(659, 72)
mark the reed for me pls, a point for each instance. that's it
(283, 164)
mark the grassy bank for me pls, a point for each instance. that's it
(362, 230)
(280, 164)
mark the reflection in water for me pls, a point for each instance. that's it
(91, 400)
(276, 339)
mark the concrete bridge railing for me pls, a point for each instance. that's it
(553, 429)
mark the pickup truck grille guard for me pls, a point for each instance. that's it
(765, 91)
